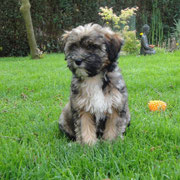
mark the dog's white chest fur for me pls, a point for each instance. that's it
(93, 99)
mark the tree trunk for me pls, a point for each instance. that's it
(25, 10)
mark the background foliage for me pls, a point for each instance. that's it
(52, 17)
(122, 24)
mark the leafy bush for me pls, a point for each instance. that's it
(119, 22)
(132, 44)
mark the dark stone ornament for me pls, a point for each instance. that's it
(145, 47)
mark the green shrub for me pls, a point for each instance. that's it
(132, 44)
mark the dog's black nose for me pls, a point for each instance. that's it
(78, 61)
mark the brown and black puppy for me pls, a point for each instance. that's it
(98, 105)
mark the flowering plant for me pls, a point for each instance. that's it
(108, 15)
(120, 23)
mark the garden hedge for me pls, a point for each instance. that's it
(52, 17)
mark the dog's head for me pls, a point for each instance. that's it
(91, 49)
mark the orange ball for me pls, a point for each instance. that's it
(157, 105)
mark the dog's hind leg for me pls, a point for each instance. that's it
(124, 120)
(66, 123)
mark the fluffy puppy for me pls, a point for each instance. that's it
(98, 105)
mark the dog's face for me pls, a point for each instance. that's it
(90, 49)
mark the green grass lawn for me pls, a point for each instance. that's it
(33, 94)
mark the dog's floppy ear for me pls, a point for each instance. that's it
(113, 45)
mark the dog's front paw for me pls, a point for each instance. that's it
(89, 137)
(109, 135)
(89, 141)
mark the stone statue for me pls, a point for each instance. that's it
(145, 47)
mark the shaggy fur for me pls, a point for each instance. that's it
(98, 105)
